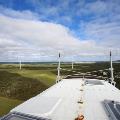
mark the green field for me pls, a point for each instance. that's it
(17, 85)
(6, 104)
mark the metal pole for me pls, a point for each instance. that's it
(59, 66)
(58, 76)
(111, 69)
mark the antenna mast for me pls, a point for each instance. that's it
(111, 70)
(58, 76)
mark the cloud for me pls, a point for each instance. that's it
(23, 34)
(102, 23)
(106, 33)
(22, 37)
(97, 7)
(25, 14)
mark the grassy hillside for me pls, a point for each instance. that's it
(13, 85)
(20, 85)
(6, 104)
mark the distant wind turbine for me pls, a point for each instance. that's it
(20, 65)
(72, 64)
